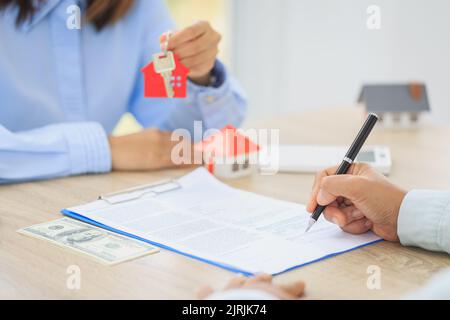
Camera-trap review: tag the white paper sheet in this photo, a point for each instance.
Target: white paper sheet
(236, 229)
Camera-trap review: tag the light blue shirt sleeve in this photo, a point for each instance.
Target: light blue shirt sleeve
(53, 151)
(67, 89)
(424, 220)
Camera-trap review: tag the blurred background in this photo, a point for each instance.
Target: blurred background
(294, 55)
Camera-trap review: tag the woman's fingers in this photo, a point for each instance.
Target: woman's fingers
(204, 292)
(285, 292)
(187, 34)
(201, 63)
(197, 47)
(208, 41)
(264, 283)
(295, 289)
(236, 282)
(263, 277)
(192, 40)
(291, 290)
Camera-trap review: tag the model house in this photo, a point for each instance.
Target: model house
(229, 154)
(154, 83)
(397, 105)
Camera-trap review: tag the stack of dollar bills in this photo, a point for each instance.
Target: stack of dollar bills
(107, 247)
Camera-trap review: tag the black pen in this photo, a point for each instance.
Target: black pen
(351, 155)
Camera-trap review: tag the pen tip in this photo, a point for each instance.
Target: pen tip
(310, 224)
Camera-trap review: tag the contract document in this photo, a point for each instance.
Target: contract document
(200, 217)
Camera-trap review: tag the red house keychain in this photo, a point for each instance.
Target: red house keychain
(165, 76)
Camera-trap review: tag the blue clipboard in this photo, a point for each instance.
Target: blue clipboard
(163, 187)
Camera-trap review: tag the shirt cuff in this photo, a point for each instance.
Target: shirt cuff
(88, 148)
(218, 103)
(242, 294)
(218, 77)
(424, 220)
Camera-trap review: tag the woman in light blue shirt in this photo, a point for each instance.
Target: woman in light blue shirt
(63, 90)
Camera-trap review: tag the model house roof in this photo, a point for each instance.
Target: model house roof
(395, 97)
(227, 142)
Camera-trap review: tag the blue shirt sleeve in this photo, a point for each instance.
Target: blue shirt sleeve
(53, 151)
(424, 220)
(56, 122)
(217, 105)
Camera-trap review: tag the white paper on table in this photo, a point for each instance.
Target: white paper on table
(234, 229)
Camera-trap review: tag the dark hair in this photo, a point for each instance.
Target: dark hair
(99, 12)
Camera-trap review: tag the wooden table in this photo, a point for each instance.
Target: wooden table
(31, 268)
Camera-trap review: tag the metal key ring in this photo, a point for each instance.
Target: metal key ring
(166, 43)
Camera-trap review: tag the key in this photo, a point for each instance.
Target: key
(164, 64)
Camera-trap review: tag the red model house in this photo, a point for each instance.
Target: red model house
(229, 154)
(154, 83)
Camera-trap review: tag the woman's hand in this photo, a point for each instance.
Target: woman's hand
(147, 150)
(262, 282)
(359, 201)
(197, 48)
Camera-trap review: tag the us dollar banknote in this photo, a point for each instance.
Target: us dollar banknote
(106, 247)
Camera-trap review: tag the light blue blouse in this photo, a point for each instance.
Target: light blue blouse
(63, 91)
